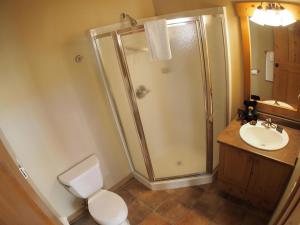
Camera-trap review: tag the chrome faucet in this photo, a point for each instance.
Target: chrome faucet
(268, 123)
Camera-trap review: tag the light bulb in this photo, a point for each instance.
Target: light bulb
(258, 16)
(286, 18)
(272, 16)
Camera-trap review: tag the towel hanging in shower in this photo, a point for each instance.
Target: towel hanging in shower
(158, 39)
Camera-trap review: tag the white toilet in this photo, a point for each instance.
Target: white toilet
(85, 180)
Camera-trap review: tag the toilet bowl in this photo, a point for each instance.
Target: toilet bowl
(85, 180)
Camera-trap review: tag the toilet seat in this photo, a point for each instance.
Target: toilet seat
(107, 208)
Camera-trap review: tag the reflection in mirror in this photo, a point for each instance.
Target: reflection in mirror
(275, 69)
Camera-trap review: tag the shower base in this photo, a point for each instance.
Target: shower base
(176, 182)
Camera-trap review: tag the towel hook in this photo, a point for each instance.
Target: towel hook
(78, 58)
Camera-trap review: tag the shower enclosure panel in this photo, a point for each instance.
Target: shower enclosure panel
(169, 112)
(172, 111)
(118, 98)
(217, 72)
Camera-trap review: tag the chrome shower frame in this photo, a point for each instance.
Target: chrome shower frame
(172, 20)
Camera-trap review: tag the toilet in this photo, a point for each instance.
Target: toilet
(85, 180)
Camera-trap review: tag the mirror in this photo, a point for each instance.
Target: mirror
(271, 62)
(275, 64)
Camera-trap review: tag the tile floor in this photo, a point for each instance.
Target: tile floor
(201, 205)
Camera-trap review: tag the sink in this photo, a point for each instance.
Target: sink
(263, 138)
(279, 103)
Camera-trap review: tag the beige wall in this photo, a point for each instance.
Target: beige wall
(170, 6)
(53, 112)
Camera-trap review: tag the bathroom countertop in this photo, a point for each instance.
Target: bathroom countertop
(288, 155)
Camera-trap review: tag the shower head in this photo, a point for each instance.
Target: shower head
(132, 21)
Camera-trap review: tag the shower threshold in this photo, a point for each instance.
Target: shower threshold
(177, 182)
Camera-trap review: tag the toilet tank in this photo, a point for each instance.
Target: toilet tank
(83, 179)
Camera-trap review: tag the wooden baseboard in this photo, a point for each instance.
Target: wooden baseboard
(121, 182)
(84, 210)
(77, 214)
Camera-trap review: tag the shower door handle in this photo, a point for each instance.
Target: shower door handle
(141, 91)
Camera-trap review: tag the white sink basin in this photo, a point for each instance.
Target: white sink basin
(264, 138)
(279, 103)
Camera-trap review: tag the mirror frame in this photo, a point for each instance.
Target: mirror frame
(244, 10)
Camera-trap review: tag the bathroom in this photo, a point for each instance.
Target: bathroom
(56, 110)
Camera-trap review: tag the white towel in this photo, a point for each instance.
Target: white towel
(158, 39)
(269, 65)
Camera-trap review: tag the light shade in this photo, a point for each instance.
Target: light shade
(272, 17)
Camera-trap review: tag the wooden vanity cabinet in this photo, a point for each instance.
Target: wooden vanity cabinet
(234, 170)
(251, 177)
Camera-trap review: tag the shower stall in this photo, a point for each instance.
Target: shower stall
(168, 113)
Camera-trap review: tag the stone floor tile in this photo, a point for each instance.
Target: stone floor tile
(254, 217)
(135, 188)
(172, 210)
(137, 212)
(153, 199)
(154, 219)
(128, 198)
(230, 214)
(188, 196)
(193, 218)
(85, 220)
(209, 204)
(198, 205)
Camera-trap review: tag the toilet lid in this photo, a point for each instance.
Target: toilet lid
(107, 208)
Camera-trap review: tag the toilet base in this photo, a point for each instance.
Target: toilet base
(126, 222)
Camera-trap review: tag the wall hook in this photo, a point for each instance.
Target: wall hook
(78, 58)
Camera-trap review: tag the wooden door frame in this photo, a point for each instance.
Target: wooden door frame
(27, 190)
(244, 10)
(289, 206)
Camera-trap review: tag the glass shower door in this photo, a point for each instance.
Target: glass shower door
(171, 101)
